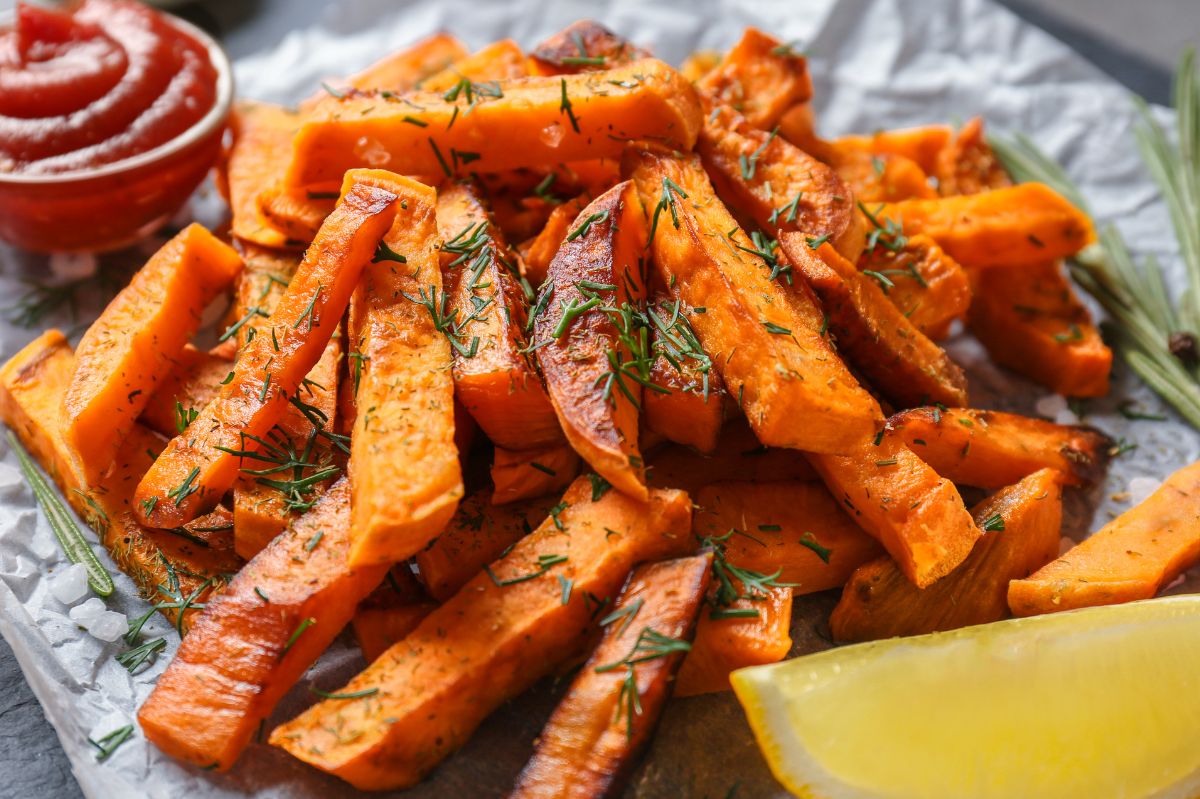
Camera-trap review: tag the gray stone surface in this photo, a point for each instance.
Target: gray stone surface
(1135, 43)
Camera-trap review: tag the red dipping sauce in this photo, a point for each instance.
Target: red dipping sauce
(110, 116)
(110, 81)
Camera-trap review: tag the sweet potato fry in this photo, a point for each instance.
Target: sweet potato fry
(545, 245)
(1036, 326)
(282, 480)
(519, 474)
(495, 130)
(190, 476)
(896, 497)
(692, 410)
(194, 380)
(403, 460)
(477, 534)
(261, 510)
(588, 336)
(259, 287)
(261, 148)
(880, 178)
(872, 333)
(1014, 227)
(726, 642)
(738, 456)
(503, 60)
(921, 145)
(583, 46)
(445, 664)
(296, 212)
(483, 311)
(766, 345)
(699, 63)
(777, 185)
(928, 286)
(593, 739)
(990, 449)
(1021, 525)
(1130, 558)
(130, 349)
(967, 164)
(177, 569)
(256, 639)
(760, 77)
(792, 528)
(390, 612)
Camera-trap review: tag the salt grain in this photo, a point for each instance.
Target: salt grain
(85, 613)
(1140, 488)
(70, 584)
(108, 626)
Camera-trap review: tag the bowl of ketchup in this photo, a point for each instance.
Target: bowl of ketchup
(110, 116)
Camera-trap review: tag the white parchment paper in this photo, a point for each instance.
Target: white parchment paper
(876, 63)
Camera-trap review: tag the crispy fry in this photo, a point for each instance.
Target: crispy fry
(194, 380)
(1037, 326)
(446, 664)
(760, 77)
(129, 350)
(256, 639)
(1015, 227)
(493, 132)
(967, 164)
(792, 528)
(542, 250)
(873, 334)
(693, 409)
(727, 642)
(884, 177)
(1021, 526)
(990, 449)
(477, 534)
(765, 343)
(592, 741)
(583, 46)
(403, 460)
(1130, 558)
(896, 497)
(928, 286)
(482, 310)
(921, 145)
(596, 362)
(190, 476)
(261, 148)
(519, 474)
(502, 60)
(766, 179)
(390, 612)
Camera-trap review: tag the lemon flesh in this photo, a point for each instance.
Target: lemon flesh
(1102, 702)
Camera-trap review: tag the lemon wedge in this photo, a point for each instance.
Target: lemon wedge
(1102, 702)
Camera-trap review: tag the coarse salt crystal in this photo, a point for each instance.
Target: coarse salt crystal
(1140, 488)
(85, 613)
(1050, 406)
(108, 626)
(70, 584)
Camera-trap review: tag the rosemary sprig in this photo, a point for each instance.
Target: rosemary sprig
(1147, 323)
(69, 536)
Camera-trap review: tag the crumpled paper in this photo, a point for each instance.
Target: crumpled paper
(876, 64)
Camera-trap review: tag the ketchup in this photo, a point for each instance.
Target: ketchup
(107, 82)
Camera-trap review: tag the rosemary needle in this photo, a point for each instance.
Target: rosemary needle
(69, 536)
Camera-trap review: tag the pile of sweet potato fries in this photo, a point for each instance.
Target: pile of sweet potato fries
(696, 344)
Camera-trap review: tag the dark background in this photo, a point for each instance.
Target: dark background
(1136, 43)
